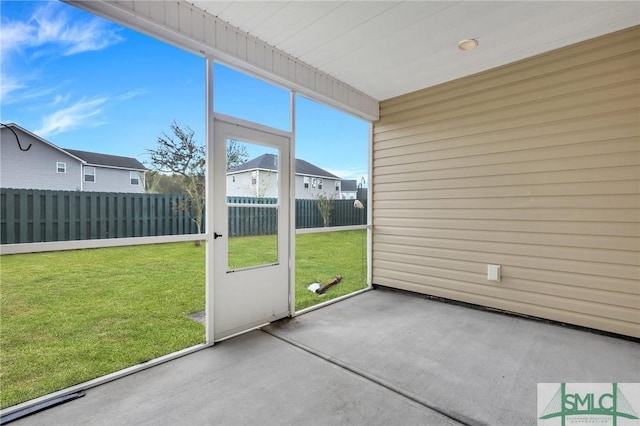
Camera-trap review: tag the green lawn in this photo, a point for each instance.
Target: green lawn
(320, 257)
(68, 317)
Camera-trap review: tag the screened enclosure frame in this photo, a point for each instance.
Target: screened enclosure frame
(207, 236)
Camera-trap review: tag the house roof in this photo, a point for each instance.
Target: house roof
(107, 160)
(270, 162)
(93, 158)
(14, 127)
(349, 185)
(306, 168)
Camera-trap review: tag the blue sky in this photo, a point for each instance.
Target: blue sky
(82, 82)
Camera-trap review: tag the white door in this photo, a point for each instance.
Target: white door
(251, 240)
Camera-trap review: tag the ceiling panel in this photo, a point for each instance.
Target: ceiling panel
(333, 26)
(376, 31)
(290, 20)
(388, 48)
(253, 15)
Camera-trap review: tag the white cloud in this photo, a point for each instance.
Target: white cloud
(14, 36)
(85, 38)
(8, 84)
(20, 92)
(53, 25)
(60, 99)
(53, 29)
(131, 94)
(81, 114)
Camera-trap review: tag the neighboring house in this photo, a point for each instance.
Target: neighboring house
(349, 189)
(46, 166)
(259, 178)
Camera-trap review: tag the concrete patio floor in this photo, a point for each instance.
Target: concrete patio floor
(381, 357)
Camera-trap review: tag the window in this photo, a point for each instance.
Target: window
(319, 183)
(61, 167)
(135, 178)
(254, 178)
(337, 185)
(89, 174)
(306, 182)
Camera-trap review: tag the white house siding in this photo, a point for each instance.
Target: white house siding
(113, 180)
(348, 195)
(35, 168)
(534, 166)
(328, 188)
(241, 184)
(267, 183)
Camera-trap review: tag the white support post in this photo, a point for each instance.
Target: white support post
(209, 210)
(370, 211)
(292, 207)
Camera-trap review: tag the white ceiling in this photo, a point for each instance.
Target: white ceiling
(388, 48)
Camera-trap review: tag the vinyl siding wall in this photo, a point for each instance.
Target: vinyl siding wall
(534, 166)
(35, 168)
(113, 180)
(311, 193)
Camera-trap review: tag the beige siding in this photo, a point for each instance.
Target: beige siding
(534, 166)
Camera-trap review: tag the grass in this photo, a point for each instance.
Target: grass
(320, 257)
(71, 316)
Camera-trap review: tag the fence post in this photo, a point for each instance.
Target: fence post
(37, 216)
(10, 216)
(23, 221)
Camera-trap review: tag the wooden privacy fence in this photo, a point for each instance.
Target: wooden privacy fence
(28, 215)
(258, 216)
(342, 214)
(252, 216)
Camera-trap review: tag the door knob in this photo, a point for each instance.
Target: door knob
(216, 235)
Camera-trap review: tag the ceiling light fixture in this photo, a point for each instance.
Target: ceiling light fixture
(468, 44)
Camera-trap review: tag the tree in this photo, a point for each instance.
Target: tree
(324, 203)
(179, 161)
(161, 183)
(236, 154)
(180, 154)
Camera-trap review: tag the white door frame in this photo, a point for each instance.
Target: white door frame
(248, 298)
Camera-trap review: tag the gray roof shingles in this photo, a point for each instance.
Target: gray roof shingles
(107, 160)
(349, 185)
(269, 162)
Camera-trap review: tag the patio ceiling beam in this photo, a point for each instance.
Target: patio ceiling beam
(193, 29)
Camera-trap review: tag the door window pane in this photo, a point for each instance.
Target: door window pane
(252, 204)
